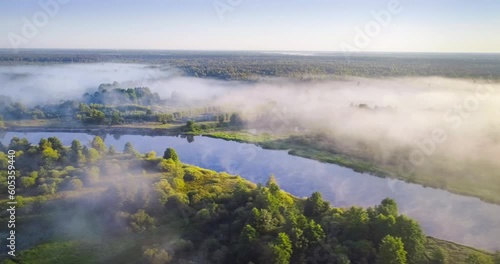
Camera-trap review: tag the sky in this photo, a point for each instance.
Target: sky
(279, 25)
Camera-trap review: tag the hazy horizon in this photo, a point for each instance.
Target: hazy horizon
(247, 50)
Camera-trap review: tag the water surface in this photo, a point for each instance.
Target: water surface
(444, 215)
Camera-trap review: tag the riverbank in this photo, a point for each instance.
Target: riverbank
(95, 246)
(307, 146)
(297, 144)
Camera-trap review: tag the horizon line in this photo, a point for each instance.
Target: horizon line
(249, 50)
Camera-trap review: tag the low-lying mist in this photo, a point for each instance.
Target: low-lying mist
(460, 116)
(403, 122)
(48, 83)
(433, 130)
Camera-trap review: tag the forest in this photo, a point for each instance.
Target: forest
(250, 66)
(98, 204)
(105, 106)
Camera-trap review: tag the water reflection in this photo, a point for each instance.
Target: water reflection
(444, 215)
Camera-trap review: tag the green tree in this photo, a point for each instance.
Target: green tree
(151, 155)
(27, 182)
(281, 249)
(49, 155)
(98, 144)
(314, 233)
(157, 256)
(75, 184)
(170, 153)
(76, 152)
(94, 116)
(388, 207)
(141, 221)
(412, 236)
(76, 146)
(4, 161)
(165, 118)
(56, 143)
(391, 251)
(44, 144)
(439, 256)
(263, 220)
(248, 235)
(381, 226)
(315, 205)
(476, 258)
(129, 149)
(116, 118)
(190, 126)
(235, 119)
(112, 150)
(167, 165)
(272, 184)
(47, 188)
(18, 144)
(2, 124)
(93, 155)
(92, 176)
(497, 257)
(221, 119)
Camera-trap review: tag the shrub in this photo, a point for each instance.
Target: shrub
(75, 184)
(156, 256)
(141, 221)
(27, 182)
(192, 174)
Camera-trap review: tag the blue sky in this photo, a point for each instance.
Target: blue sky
(317, 25)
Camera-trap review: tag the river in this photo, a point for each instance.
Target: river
(461, 219)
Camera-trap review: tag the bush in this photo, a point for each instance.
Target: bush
(178, 184)
(170, 153)
(476, 258)
(183, 246)
(192, 174)
(151, 155)
(92, 176)
(27, 182)
(439, 256)
(141, 221)
(45, 188)
(167, 165)
(156, 256)
(75, 184)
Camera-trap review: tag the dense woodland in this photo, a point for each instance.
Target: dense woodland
(254, 65)
(110, 106)
(172, 212)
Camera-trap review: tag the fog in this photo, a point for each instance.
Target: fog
(49, 83)
(431, 126)
(437, 131)
(402, 111)
(405, 122)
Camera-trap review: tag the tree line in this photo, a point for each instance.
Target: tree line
(226, 218)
